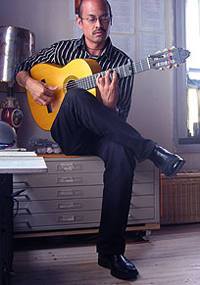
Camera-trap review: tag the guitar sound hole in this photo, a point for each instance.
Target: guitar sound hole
(71, 84)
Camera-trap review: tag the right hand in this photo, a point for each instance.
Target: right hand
(41, 92)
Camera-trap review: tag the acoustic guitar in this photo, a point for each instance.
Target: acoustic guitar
(83, 73)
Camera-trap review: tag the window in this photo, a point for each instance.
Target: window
(188, 81)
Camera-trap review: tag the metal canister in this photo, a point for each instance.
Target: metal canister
(16, 44)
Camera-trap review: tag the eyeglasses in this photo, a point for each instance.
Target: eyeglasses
(93, 19)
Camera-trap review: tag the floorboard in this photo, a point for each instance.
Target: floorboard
(172, 256)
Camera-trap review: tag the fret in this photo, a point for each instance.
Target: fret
(89, 82)
(141, 66)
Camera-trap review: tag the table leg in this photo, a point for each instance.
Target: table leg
(6, 227)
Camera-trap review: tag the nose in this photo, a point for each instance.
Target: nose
(98, 22)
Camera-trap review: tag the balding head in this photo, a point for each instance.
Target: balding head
(103, 1)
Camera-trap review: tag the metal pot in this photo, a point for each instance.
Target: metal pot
(16, 44)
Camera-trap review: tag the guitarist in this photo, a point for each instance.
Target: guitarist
(88, 126)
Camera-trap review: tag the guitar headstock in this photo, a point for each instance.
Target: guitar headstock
(168, 58)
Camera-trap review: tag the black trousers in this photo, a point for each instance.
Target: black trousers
(84, 126)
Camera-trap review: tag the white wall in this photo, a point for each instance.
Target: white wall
(152, 105)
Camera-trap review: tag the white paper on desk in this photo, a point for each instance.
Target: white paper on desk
(151, 15)
(10, 153)
(123, 19)
(22, 164)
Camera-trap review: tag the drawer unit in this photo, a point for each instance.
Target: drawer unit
(69, 195)
(57, 221)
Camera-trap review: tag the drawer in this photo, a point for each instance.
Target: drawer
(75, 192)
(25, 228)
(139, 214)
(142, 201)
(85, 164)
(53, 206)
(76, 220)
(57, 219)
(43, 180)
(143, 189)
(79, 164)
(65, 179)
(143, 176)
(55, 193)
(94, 204)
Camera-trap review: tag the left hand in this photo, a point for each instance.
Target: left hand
(109, 89)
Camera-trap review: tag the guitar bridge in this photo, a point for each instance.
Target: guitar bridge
(49, 108)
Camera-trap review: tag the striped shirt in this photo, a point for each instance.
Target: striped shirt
(64, 51)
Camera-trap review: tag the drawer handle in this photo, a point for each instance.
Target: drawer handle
(70, 205)
(69, 167)
(66, 219)
(65, 180)
(63, 193)
(66, 167)
(70, 218)
(69, 179)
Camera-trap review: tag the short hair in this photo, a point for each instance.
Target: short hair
(80, 8)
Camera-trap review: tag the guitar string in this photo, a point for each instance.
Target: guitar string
(91, 80)
(138, 67)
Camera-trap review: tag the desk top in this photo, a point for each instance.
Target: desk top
(21, 162)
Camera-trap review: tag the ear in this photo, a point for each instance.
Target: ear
(79, 22)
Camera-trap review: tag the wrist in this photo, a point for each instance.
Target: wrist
(115, 110)
(22, 79)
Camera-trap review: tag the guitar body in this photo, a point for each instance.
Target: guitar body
(56, 75)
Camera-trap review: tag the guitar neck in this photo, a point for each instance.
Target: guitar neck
(129, 69)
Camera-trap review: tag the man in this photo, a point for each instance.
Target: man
(88, 126)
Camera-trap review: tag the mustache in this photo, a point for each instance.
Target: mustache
(99, 30)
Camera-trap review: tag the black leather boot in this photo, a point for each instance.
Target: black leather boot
(167, 162)
(119, 265)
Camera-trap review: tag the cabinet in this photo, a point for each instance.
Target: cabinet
(69, 196)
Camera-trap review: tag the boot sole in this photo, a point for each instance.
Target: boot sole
(179, 166)
(125, 276)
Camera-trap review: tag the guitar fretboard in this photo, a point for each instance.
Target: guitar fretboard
(141, 66)
(129, 69)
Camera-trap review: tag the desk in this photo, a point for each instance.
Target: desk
(12, 162)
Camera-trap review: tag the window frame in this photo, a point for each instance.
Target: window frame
(181, 142)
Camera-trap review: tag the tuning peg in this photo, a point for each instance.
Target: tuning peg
(165, 50)
(176, 65)
(161, 69)
(158, 52)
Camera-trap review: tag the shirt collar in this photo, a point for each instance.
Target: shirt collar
(80, 43)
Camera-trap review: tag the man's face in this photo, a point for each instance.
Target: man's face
(95, 31)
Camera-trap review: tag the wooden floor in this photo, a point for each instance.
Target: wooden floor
(171, 257)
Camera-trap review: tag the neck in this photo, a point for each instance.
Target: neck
(93, 48)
